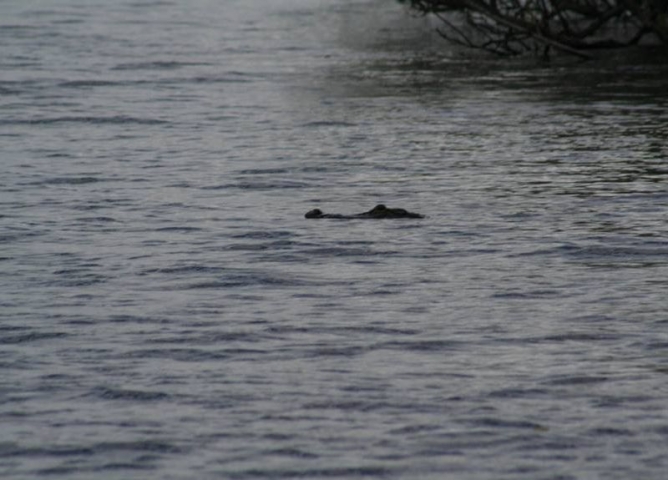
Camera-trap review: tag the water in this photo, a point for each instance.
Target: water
(167, 312)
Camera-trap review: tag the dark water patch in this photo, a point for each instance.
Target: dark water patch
(184, 269)
(519, 393)
(9, 91)
(579, 337)
(138, 319)
(308, 473)
(282, 329)
(370, 329)
(180, 354)
(555, 446)
(106, 203)
(349, 252)
(270, 246)
(67, 181)
(241, 279)
(264, 171)
(423, 345)
(114, 466)
(75, 277)
(559, 338)
(91, 120)
(275, 257)
(11, 450)
(157, 65)
(108, 393)
(617, 255)
(195, 337)
(261, 186)
(150, 4)
(227, 78)
(487, 422)
(610, 432)
(182, 229)
(64, 471)
(16, 236)
(263, 235)
(30, 337)
(576, 380)
(150, 446)
(11, 28)
(530, 295)
(100, 219)
(414, 429)
(13, 328)
(617, 401)
(87, 84)
(348, 352)
(327, 123)
(661, 430)
(291, 453)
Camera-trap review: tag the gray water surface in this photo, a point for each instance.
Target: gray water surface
(167, 312)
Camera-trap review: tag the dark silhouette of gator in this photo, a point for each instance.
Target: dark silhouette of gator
(377, 212)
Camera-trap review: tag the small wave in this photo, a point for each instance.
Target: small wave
(13, 450)
(518, 393)
(87, 83)
(264, 171)
(530, 295)
(620, 252)
(153, 446)
(228, 78)
(17, 236)
(76, 277)
(67, 181)
(263, 235)
(97, 220)
(505, 423)
(108, 393)
(8, 91)
(178, 229)
(30, 337)
(16, 27)
(618, 256)
(137, 319)
(189, 337)
(113, 120)
(579, 337)
(291, 453)
(236, 281)
(150, 4)
(598, 432)
(258, 185)
(578, 380)
(155, 65)
(333, 472)
(423, 345)
(326, 123)
(184, 269)
(179, 354)
(346, 352)
(348, 252)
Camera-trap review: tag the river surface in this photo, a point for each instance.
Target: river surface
(167, 312)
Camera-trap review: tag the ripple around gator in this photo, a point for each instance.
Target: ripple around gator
(377, 212)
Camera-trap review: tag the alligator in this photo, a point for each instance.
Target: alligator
(377, 212)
